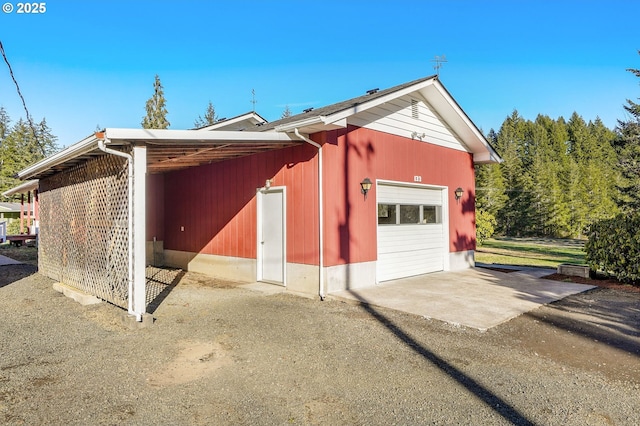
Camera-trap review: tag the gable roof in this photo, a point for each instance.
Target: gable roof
(246, 121)
(331, 110)
(430, 88)
(175, 149)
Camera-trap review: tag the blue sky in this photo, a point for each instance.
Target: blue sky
(83, 64)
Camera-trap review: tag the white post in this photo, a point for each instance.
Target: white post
(139, 230)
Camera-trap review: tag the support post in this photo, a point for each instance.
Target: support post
(22, 213)
(29, 208)
(139, 230)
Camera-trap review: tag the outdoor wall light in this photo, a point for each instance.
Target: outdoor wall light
(365, 186)
(267, 184)
(458, 192)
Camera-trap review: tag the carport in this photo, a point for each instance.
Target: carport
(93, 202)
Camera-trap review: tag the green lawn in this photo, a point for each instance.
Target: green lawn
(544, 252)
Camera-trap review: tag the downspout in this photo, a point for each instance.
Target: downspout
(102, 145)
(320, 212)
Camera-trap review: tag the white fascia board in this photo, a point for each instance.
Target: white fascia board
(27, 186)
(155, 136)
(69, 153)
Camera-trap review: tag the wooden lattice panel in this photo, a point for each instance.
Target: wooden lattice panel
(84, 228)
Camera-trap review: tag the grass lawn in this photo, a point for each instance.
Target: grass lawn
(543, 252)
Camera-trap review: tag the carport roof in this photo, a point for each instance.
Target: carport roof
(167, 150)
(23, 188)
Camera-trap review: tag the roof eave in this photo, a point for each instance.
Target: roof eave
(461, 124)
(74, 151)
(193, 137)
(343, 114)
(27, 186)
(153, 137)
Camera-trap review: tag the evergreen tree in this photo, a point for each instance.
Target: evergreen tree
(627, 146)
(5, 122)
(210, 117)
(286, 113)
(509, 143)
(156, 117)
(557, 177)
(490, 195)
(19, 147)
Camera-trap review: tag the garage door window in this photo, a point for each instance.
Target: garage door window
(406, 214)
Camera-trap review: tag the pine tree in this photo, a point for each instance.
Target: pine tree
(5, 122)
(286, 113)
(627, 146)
(210, 117)
(510, 143)
(20, 148)
(156, 117)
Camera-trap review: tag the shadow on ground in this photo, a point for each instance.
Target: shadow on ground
(12, 273)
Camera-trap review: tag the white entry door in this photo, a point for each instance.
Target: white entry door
(271, 235)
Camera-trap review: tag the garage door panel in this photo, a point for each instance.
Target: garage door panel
(425, 237)
(403, 246)
(409, 195)
(404, 265)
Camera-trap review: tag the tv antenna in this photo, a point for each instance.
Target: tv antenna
(253, 99)
(438, 61)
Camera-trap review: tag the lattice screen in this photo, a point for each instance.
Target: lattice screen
(84, 228)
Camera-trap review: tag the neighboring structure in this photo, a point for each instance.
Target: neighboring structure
(9, 211)
(279, 202)
(26, 211)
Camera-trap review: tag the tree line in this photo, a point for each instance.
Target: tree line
(22, 144)
(559, 176)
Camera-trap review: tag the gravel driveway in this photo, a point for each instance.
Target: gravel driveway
(220, 354)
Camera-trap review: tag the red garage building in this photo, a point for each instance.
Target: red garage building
(371, 189)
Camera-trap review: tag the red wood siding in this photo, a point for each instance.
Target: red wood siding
(355, 153)
(216, 204)
(155, 207)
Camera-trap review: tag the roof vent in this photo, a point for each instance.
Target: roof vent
(414, 109)
(372, 91)
(308, 110)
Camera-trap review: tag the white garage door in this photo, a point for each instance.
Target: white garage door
(410, 231)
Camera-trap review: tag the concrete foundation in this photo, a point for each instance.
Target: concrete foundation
(75, 294)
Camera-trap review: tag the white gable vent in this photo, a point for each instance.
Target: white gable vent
(414, 109)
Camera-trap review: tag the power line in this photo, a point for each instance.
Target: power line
(24, 104)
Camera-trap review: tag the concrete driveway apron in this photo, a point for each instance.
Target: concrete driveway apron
(479, 298)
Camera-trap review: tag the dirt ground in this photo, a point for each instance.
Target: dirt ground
(221, 354)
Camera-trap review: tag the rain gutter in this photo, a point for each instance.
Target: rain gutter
(102, 141)
(321, 290)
